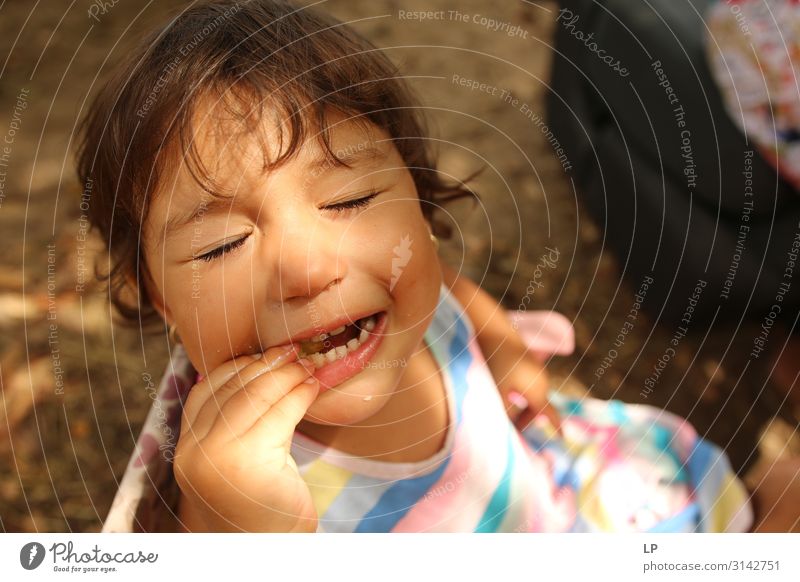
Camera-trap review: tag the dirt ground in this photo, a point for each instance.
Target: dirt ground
(73, 386)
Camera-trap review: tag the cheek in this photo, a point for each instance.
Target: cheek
(398, 242)
(415, 269)
(211, 313)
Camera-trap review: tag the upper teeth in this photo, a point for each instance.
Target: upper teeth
(323, 336)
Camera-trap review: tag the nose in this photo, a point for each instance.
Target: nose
(307, 262)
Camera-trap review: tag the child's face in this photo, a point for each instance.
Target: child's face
(296, 264)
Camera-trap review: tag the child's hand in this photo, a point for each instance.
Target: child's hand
(521, 380)
(232, 460)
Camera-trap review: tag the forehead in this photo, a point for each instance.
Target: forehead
(225, 138)
(228, 152)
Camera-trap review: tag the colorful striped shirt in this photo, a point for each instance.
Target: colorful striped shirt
(617, 467)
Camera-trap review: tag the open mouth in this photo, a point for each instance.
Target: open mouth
(334, 345)
(341, 353)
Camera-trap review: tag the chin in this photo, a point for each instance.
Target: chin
(355, 400)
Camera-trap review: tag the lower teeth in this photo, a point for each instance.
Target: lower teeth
(322, 358)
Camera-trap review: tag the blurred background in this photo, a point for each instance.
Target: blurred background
(74, 386)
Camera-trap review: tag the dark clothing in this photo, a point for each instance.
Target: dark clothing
(660, 164)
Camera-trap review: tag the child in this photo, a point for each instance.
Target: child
(262, 179)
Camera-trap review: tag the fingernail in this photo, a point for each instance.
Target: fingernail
(309, 380)
(517, 399)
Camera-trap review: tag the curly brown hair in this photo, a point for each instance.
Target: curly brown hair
(302, 63)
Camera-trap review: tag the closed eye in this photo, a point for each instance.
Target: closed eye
(362, 202)
(339, 207)
(223, 250)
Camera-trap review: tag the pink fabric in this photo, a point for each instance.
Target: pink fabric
(546, 333)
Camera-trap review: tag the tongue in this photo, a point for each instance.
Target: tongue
(341, 339)
(350, 332)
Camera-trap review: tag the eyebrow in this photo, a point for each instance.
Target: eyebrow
(349, 157)
(213, 205)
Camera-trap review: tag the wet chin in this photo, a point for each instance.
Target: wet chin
(354, 400)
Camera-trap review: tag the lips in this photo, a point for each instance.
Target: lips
(328, 347)
(349, 360)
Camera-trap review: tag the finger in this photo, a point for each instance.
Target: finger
(530, 414)
(276, 427)
(203, 390)
(551, 412)
(256, 398)
(524, 419)
(516, 404)
(222, 386)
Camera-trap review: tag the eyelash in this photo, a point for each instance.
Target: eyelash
(338, 208)
(224, 249)
(353, 204)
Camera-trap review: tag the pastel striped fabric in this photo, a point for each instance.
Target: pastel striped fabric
(617, 468)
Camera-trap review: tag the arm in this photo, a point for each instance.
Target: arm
(492, 326)
(515, 371)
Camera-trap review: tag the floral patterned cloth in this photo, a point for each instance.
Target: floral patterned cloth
(147, 497)
(753, 48)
